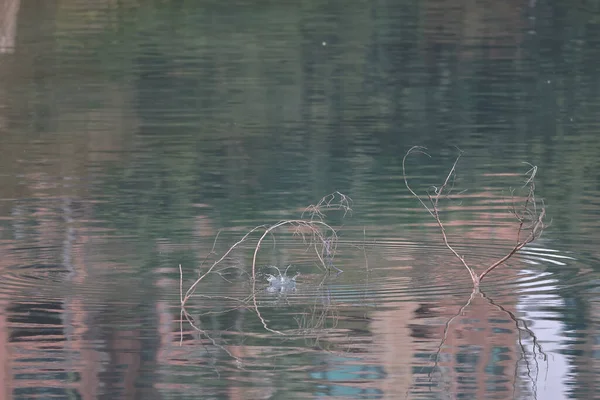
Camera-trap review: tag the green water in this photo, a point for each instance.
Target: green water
(135, 138)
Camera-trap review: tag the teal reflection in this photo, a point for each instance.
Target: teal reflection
(345, 377)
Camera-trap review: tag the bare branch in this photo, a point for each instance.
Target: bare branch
(313, 226)
(530, 217)
(528, 213)
(190, 291)
(327, 203)
(433, 200)
(316, 233)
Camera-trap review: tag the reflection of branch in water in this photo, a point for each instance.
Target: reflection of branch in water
(320, 319)
(312, 325)
(202, 332)
(184, 314)
(316, 319)
(522, 327)
(445, 334)
(523, 356)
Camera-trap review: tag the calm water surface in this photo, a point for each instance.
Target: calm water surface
(137, 138)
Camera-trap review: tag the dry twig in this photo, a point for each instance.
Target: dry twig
(314, 231)
(529, 215)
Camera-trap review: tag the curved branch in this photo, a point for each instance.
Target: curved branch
(312, 225)
(434, 205)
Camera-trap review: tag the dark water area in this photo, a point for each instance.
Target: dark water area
(137, 137)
